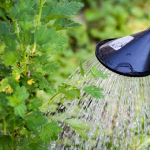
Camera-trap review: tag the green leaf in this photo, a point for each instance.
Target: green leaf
(63, 88)
(42, 83)
(72, 94)
(60, 9)
(62, 23)
(81, 69)
(69, 94)
(78, 125)
(43, 35)
(2, 14)
(98, 73)
(22, 6)
(26, 21)
(10, 58)
(51, 67)
(19, 96)
(35, 120)
(20, 109)
(34, 104)
(4, 71)
(47, 68)
(50, 132)
(94, 91)
(5, 29)
(17, 100)
(54, 45)
(10, 41)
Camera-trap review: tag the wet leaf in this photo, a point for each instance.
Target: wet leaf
(72, 94)
(94, 91)
(98, 73)
(78, 125)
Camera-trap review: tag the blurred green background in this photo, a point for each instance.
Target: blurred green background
(100, 20)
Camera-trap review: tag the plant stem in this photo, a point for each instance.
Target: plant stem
(25, 66)
(77, 82)
(34, 49)
(59, 94)
(54, 97)
(13, 135)
(16, 29)
(4, 126)
(40, 13)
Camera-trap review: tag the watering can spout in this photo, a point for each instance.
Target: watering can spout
(129, 55)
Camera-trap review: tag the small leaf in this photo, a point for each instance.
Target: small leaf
(50, 132)
(34, 104)
(78, 125)
(2, 14)
(20, 110)
(4, 29)
(17, 100)
(98, 73)
(94, 91)
(19, 96)
(63, 23)
(72, 94)
(43, 35)
(63, 88)
(81, 69)
(50, 67)
(60, 8)
(10, 41)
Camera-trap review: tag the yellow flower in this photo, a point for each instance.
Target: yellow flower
(9, 89)
(31, 81)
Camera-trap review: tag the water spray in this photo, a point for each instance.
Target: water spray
(120, 120)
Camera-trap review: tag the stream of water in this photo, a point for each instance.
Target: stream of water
(120, 121)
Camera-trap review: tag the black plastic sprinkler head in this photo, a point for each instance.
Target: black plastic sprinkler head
(129, 56)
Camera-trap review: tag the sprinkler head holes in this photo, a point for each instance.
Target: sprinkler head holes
(129, 56)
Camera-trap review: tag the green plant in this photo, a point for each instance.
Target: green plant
(28, 31)
(29, 37)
